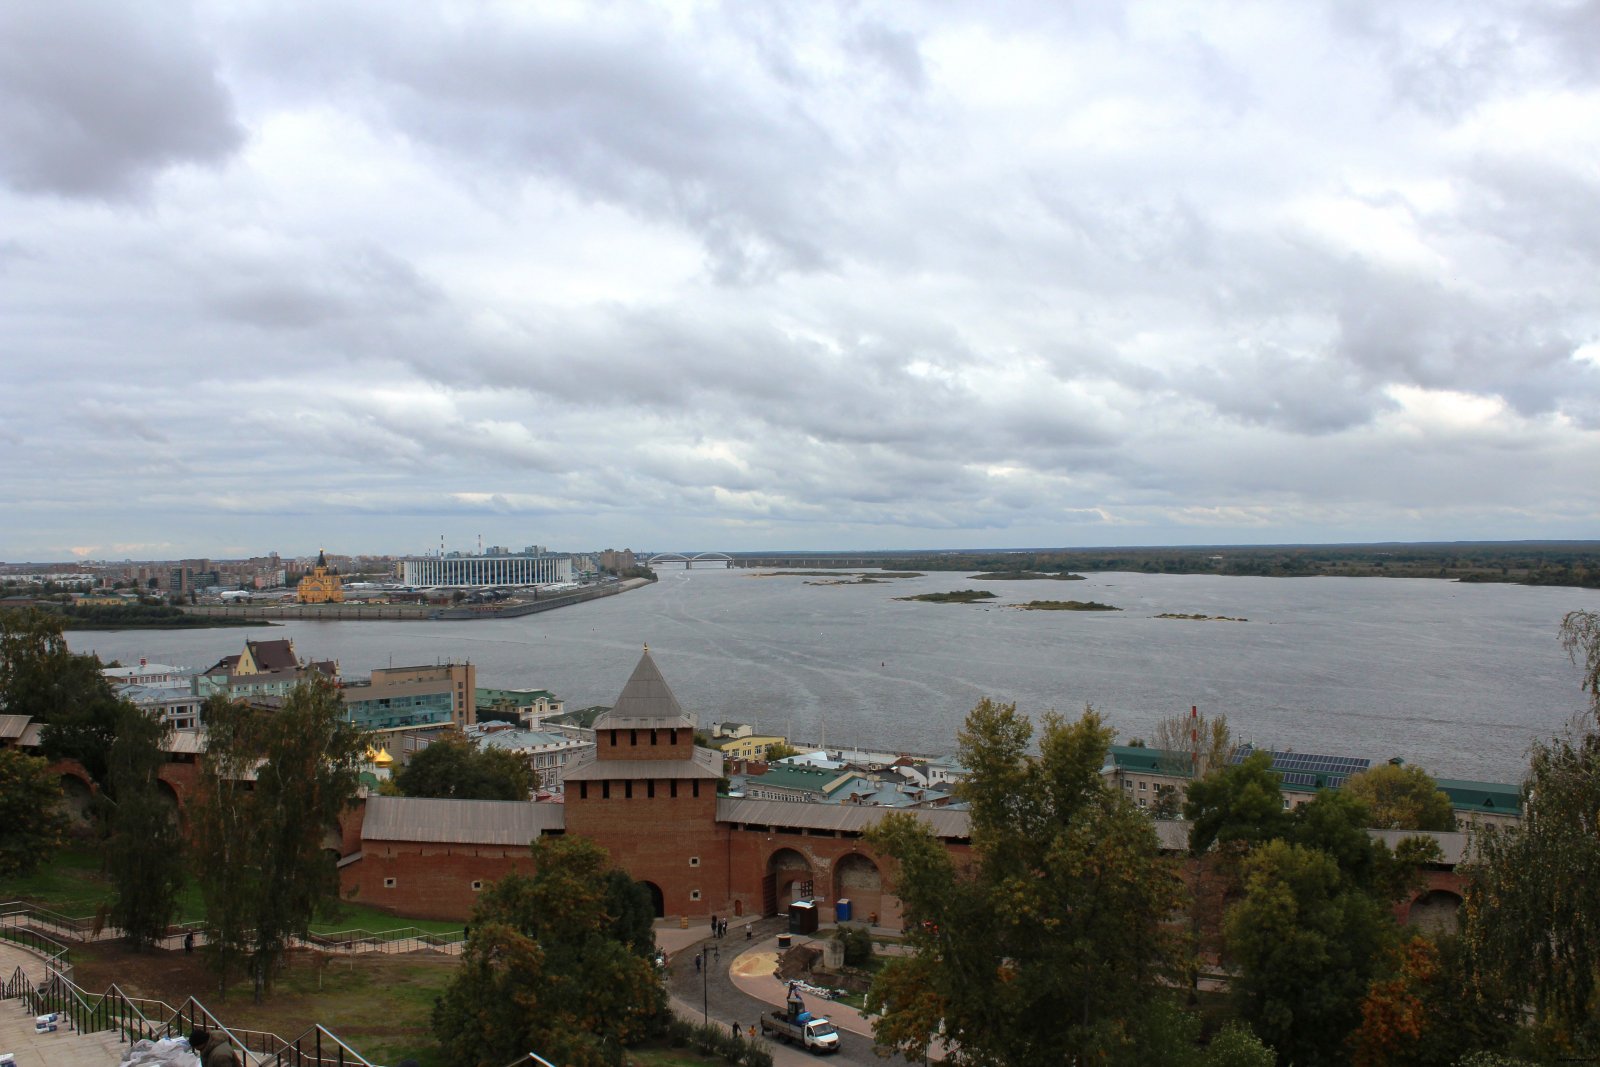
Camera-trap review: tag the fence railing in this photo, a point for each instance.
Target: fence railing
(400, 940)
(532, 1059)
(136, 1018)
(14, 928)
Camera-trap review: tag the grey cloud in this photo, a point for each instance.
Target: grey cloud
(895, 50)
(97, 98)
(1450, 79)
(301, 288)
(1305, 394)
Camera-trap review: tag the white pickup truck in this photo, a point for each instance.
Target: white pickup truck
(800, 1027)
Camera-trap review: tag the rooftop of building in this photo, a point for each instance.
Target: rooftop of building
(588, 767)
(646, 702)
(479, 822)
(513, 738)
(482, 693)
(812, 780)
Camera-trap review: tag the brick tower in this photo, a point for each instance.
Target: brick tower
(649, 797)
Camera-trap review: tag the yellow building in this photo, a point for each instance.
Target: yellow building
(321, 586)
(749, 747)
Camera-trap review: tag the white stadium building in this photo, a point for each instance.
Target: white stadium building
(469, 571)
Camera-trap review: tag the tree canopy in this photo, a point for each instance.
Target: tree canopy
(456, 769)
(42, 678)
(272, 785)
(1306, 943)
(558, 963)
(143, 847)
(1236, 802)
(1048, 941)
(1532, 910)
(1401, 797)
(31, 823)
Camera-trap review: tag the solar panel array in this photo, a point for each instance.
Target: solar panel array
(1305, 768)
(1306, 761)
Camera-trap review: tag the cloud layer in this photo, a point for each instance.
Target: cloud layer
(749, 275)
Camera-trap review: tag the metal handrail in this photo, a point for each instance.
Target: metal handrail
(53, 951)
(326, 1047)
(136, 1018)
(532, 1059)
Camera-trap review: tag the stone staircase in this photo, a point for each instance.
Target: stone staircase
(64, 1048)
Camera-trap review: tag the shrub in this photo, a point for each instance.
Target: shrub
(857, 946)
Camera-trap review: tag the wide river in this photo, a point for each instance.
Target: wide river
(1457, 678)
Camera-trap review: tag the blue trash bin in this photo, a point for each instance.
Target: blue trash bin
(841, 910)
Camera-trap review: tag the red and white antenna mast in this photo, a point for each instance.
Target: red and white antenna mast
(1194, 740)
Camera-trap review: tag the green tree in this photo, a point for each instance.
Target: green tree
(1236, 1046)
(31, 823)
(1305, 943)
(1400, 797)
(143, 847)
(778, 750)
(272, 784)
(1532, 910)
(552, 966)
(1029, 952)
(42, 678)
(456, 769)
(1431, 1010)
(1236, 802)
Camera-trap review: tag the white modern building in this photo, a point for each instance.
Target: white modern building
(468, 571)
(152, 675)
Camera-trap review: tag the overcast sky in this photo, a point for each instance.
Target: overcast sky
(281, 275)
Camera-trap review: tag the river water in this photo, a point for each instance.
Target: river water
(1458, 678)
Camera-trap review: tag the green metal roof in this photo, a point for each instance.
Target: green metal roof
(789, 776)
(1489, 797)
(1153, 760)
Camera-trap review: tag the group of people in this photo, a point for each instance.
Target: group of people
(719, 926)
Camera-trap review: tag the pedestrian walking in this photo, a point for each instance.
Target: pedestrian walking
(697, 964)
(735, 1029)
(716, 952)
(747, 927)
(188, 943)
(752, 1031)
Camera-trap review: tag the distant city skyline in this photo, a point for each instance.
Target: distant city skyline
(762, 276)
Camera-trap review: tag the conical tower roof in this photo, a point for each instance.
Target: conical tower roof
(646, 703)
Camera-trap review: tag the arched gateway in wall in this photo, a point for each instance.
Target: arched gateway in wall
(857, 879)
(789, 878)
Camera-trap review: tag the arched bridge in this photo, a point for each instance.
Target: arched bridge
(719, 558)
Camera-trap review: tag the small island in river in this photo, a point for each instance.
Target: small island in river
(1200, 618)
(1026, 576)
(1067, 605)
(959, 596)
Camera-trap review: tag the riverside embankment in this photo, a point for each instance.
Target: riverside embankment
(358, 612)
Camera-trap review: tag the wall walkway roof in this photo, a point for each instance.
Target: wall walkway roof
(459, 822)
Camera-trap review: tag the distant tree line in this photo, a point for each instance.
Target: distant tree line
(137, 617)
(1542, 563)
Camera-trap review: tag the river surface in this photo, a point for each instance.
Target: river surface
(1457, 678)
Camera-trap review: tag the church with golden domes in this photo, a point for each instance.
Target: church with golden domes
(322, 585)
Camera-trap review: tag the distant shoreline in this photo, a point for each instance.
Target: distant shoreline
(1571, 564)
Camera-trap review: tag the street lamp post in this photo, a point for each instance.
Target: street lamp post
(705, 987)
